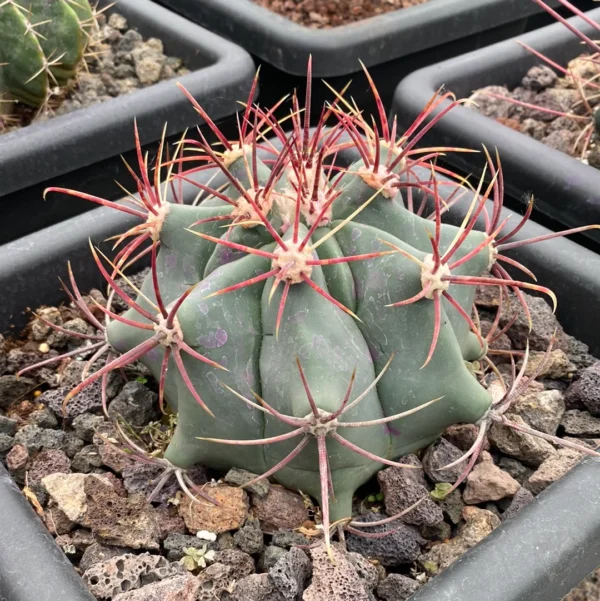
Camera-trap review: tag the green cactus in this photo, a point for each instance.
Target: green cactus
(43, 42)
(305, 321)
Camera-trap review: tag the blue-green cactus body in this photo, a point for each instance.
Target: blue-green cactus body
(238, 330)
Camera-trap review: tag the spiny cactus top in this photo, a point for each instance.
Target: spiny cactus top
(305, 321)
(42, 45)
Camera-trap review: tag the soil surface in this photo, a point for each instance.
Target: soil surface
(120, 61)
(253, 547)
(323, 14)
(569, 128)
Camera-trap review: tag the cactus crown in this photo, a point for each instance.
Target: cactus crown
(43, 43)
(305, 320)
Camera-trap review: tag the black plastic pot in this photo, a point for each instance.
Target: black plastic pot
(566, 190)
(537, 556)
(391, 45)
(32, 565)
(82, 150)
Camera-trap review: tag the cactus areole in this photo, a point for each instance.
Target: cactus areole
(42, 46)
(304, 320)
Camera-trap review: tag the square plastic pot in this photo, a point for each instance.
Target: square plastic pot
(82, 149)
(391, 45)
(539, 555)
(565, 189)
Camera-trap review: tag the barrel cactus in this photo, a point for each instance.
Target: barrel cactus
(304, 320)
(43, 43)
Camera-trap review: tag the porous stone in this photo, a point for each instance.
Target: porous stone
(269, 557)
(81, 539)
(215, 581)
(48, 462)
(89, 399)
(241, 563)
(6, 444)
(562, 140)
(141, 478)
(119, 22)
(553, 469)
(441, 531)
(539, 78)
(149, 60)
(397, 587)
(463, 436)
(126, 572)
(43, 418)
(580, 423)
(136, 404)
(256, 587)
(8, 426)
(487, 482)
(487, 296)
(515, 468)
(13, 388)
(492, 106)
(122, 521)
(366, 571)
(16, 460)
(335, 580)
(86, 424)
(169, 521)
(86, 460)
(555, 99)
(36, 439)
(521, 499)
(280, 509)
(544, 325)
(67, 491)
(40, 326)
(439, 454)
(17, 359)
(403, 487)
(56, 521)
(478, 524)
(225, 541)
(106, 440)
(230, 514)
(239, 477)
(401, 546)
(77, 325)
(556, 366)
(131, 39)
(98, 553)
(542, 411)
(288, 538)
(579, 353)
(452, 506)
(72, 444)
(291, 573)
(250, 538)
(534, 128)
(529, 449)
(176, 588)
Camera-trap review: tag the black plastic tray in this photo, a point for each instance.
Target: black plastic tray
(566, 190)
(391, 45)
(81, 149)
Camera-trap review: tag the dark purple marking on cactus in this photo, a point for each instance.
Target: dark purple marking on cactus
(393, 430)
(170, 260)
